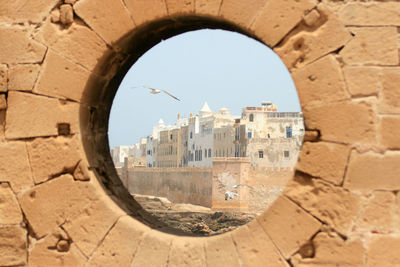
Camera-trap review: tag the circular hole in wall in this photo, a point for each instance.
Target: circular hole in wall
(205, 130)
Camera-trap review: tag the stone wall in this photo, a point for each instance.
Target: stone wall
(62, 202)
(179, 185)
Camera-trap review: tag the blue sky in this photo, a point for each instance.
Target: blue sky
(226, 69)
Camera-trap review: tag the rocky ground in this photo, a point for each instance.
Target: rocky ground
(192, 219)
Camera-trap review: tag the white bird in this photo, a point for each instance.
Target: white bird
(157, 91)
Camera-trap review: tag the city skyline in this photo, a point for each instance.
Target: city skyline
(222, 68)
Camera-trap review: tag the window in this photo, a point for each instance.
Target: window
(289, 132)
(249, 135)
(205, 153)
(261, 154)
(191, 135)
(170, 136)
(251, 118)
(286, 153)
(209, 152)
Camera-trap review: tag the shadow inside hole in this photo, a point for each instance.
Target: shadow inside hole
(221, 189)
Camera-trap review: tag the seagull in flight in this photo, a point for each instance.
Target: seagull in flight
(157, 91)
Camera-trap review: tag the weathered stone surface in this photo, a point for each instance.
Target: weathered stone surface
(315, 87)
(46, 252)
(371, 13)
(23, 77)
(389, 98)
(71, 2)
(277, 18)
(52, 156)
(24, 11)
(331, 250)
(14, 166)
(120, 244)
(66, 14)
(220, 251)
(383, 251)
(100, 16)
(389, 130)
(55, 15)
(3, 78)
(187, 251)
(13, 245)
(372, 171)
(242, 13)
(250, 250)
(345, 122)
(265, 246)
(209, 7)
(152, 241)
(306, 44)
(81, 171)
(10, 213)
(145, 10)
(324, 160)
(65, 79)
(366, 47)
(331, 204)
(288, 225)
(85, 211)
(17, 47)
(3, 102)
(76, 42)
(363, 81)
(180, 6)
(379, 212)
(31, 116)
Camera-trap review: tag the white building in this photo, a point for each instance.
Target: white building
(119, 153)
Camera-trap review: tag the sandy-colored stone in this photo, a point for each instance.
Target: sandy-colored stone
(265, 246)
(187, 251)
(221, 251)
(363, 81)
(14, 166)
(77, 42)
(180, 6)
(345, 122)
(324, 160)
(209, 7)
(250, 251)
(152, 241)
(120, 244)
(81, 171)
(306, 44)
(288, 225)
(331, 250)
(71, 2)
(378, 213)
(3, 78)
(24, 11)
(17, 47)
(333, 205)
(371, 13)
(3, 102)
(55, 15)
(13, 245)
(278, 18)
(389, 130)
(45, 252)
(145, 10)
(372, 171)
(10, 213)
(31, 116)
(52, 156)
(389, 99)
(366, 47)
(240, 12)
(383, 251)
(315, 87)
(100, 16)
(66, 14)
(23, 77)
(65, 79)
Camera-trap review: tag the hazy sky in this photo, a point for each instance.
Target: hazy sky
(225, 69)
